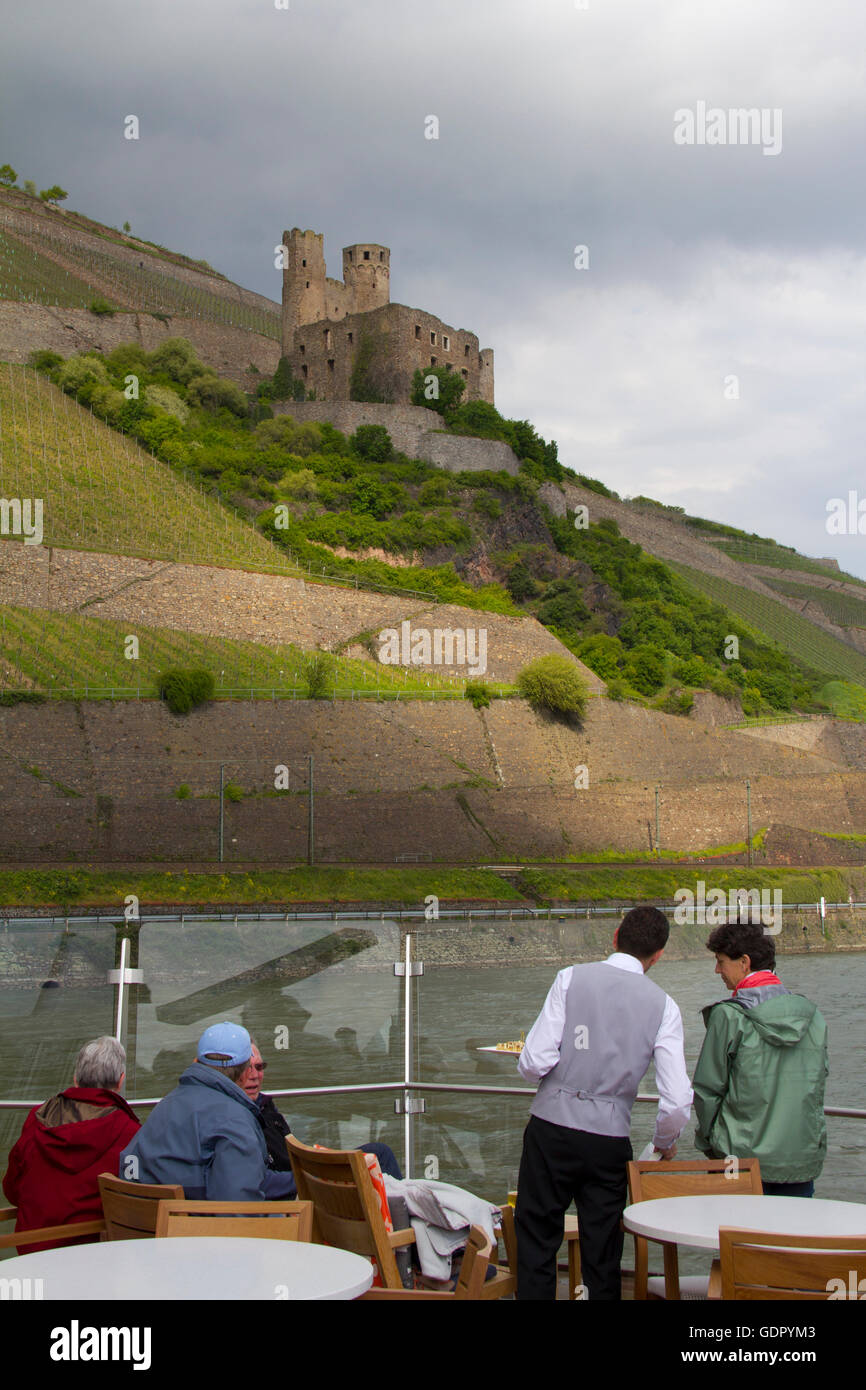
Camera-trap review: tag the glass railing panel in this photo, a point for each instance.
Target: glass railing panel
(54, 997)
(320, 998)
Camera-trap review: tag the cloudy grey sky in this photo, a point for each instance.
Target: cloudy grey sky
(556, 129)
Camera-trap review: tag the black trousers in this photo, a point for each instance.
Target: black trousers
(559, 1166)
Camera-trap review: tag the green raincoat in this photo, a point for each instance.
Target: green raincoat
(759, 1083)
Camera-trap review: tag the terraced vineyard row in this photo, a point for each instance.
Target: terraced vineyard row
(142, 287)
(100, 491)
(763, 553)
(67, 655)
(26, 276)
(795, 634)
(843, 609)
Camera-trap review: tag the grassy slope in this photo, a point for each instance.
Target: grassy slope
(45, 887)
(61, 651)
(102, 492)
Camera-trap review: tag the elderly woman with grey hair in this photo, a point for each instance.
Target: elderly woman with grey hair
(68, 1141)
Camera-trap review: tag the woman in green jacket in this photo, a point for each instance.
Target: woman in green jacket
(759, 1081)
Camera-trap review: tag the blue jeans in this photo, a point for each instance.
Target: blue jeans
(789, 1189)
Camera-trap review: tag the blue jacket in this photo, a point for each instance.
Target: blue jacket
(205, 1135)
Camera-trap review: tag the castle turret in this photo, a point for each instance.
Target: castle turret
(303, 282)
(367, 276)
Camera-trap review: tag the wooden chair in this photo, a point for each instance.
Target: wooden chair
(649, 1180)
(70, 1233)
(268, 1220)
(762, 1265)
(131, 1208)
(471, 1281)
(346, 1212)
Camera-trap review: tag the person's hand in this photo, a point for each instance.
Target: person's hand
(667, 1153)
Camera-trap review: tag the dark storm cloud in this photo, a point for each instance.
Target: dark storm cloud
(556, 129)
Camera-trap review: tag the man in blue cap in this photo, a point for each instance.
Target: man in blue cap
(205, 1134)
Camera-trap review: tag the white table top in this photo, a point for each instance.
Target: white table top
(195, 1267)
(696, 1220)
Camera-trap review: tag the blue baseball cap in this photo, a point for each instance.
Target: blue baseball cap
(224, 1045)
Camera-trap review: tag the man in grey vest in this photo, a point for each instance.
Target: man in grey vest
(589, 1049)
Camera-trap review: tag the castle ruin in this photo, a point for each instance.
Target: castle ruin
(334, 328)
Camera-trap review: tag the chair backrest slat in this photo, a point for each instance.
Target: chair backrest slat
(764, 1266)
(131, 1208)
(649, 1180)
(259, 1220)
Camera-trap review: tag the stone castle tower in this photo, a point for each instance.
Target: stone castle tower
(327, 322)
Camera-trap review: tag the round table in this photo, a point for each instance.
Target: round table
(696, 1220)
(195, 1267)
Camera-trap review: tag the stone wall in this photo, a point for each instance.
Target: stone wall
(252, 606)
(98, 781)
(25, 328)
(414, 430)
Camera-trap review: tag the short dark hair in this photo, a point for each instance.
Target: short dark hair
(642, 932)
(736, 939)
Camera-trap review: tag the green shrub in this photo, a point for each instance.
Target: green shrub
(163, 398)
(479, 693)
(563, 606)
(487, 505)
(184, 690)
(554, 683)
(44, 360)
(79, 377)
(448, 392)
(21, 697)
(232, 792)
(520, 583)
(317, 672)
(372, 442)
(211, 392)
(178, 359)
(617, 690)
(102, 307)
(602, 654)
(645, 668)
(183, 792)
(107, 403)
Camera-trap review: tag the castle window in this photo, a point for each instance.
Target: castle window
(350, 255)
(330, 364)
(303, 349)
(366, 255)
(381, 255)
(447, 366)
(466, 350)
(433, 339)
(417, 330)
(304, 264)
(304, 370)
(308, 284)
(432, 361)
(327, 337)
(463, 372)
(446, 343)
(351, 337)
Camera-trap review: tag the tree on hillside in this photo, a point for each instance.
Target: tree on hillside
(55, 194)
(8, 175)
(444, 396)
(126, 227)
(30, 188)
(283, 380)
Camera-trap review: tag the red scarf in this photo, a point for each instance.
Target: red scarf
(756, 979)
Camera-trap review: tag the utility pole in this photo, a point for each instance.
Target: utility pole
(310, 846)
(749, 819)
(222, 809)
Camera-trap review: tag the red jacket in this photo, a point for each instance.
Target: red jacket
(64, 1146)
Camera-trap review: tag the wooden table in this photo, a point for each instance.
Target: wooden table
(195, 1267)
(695, 1221)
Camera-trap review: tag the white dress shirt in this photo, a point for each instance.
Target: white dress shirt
(542, 1049)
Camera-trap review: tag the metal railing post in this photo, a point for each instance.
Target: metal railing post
(408, 1116)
